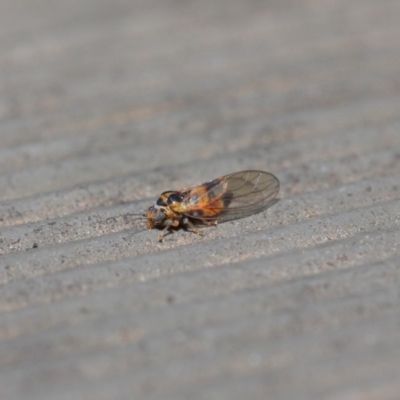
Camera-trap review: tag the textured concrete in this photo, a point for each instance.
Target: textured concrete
(104, 105)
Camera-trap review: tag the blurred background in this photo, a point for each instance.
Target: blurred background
(104, 105)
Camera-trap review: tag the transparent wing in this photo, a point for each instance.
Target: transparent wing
(230, 197)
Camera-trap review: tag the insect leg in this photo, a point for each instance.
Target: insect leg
(190, 227)
(167, 230)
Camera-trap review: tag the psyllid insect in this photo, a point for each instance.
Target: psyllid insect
(227, 198)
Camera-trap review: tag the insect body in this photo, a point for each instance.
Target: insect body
(230, 197)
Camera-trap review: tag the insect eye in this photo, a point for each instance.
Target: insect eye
(160, 216)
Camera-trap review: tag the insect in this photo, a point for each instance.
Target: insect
(229, 197)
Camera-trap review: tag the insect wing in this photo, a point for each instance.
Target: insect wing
(248, 193)
(233, 196)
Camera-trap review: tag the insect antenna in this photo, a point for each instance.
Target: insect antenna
(125, 217)
(138, 215)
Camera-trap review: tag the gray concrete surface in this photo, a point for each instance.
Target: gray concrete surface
(104, 105)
